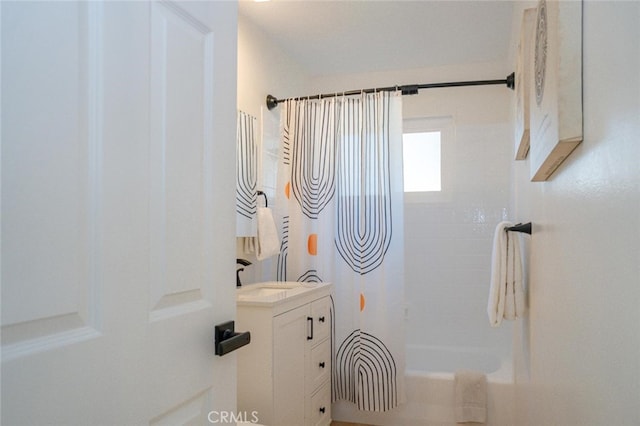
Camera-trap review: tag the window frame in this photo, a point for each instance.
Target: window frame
(444, 125)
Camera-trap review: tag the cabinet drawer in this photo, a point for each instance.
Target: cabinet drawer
(319, 411)
(320, 312)
(320, 368)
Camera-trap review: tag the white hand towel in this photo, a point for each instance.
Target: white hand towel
(518, 277)
(506, 293)
(497, 289)
(514, 307)
(470, 396)
(268, 243)
(509, 300)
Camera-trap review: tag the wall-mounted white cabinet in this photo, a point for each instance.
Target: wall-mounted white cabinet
(284, 375)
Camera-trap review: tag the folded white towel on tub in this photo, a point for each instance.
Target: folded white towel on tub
(506, 293)
(470, 396)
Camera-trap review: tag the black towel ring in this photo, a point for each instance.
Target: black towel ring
(266, 202)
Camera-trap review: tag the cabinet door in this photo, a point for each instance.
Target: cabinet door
(290, 341)
(320, 310)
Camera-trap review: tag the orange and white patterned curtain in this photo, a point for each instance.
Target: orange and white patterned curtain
(340, 205)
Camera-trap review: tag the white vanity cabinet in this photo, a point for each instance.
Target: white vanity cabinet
(284, 374)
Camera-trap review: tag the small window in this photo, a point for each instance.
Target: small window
(422, 162)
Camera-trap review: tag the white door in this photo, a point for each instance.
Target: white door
(118, 145)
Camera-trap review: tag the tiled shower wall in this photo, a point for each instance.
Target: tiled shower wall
(448, 242)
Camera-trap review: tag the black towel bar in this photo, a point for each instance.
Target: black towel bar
(520, 227)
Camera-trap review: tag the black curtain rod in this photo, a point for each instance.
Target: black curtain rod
(408, 89)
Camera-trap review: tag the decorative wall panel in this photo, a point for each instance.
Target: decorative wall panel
(556, 98)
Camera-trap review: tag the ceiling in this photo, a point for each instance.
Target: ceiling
(349, 36)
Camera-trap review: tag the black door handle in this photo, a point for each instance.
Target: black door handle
(226, 339)
(310, 336)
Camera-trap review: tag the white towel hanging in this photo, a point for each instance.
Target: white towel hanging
(268, 243)
(506, 293)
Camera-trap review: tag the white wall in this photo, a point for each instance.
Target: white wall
(448, 240)
(580, 360)
(263, 68)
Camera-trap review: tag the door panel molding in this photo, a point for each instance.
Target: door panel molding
(52, 218)
(180, 104)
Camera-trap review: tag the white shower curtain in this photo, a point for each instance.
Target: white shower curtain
(246, 176)
(340, 207)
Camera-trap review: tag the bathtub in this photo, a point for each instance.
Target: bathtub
(429, 385)
(438, 360)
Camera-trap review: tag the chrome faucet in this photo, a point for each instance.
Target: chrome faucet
(242, 262)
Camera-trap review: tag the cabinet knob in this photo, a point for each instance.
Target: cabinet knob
(322, 410)
(321, 365)
(321, 319)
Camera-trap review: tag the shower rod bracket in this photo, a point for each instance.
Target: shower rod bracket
(411, 89)
(408, 89)
(272, 102)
